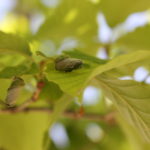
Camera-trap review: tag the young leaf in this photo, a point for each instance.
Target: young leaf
(10, 72)
(22, 69)
(50, 91)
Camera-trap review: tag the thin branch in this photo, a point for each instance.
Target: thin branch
(39, 87)
(108, 118)
(33, 98)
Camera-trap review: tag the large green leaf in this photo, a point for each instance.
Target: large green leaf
(121, 61)
(138, 39)
(130, 97)
(136, 140)
(116, 10)
(69, 82)
(13, 44)
(132, 100)
(73, 82)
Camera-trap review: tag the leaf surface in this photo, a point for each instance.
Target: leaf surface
(132, 99)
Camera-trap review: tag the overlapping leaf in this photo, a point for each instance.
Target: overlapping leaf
(132, 99)
(74, 81)
(50, 91)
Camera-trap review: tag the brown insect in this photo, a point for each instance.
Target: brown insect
(67, 64)
(13, 91)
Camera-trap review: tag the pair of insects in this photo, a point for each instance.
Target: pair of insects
(62, 63)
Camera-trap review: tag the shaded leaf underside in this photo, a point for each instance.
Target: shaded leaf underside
(132, 100)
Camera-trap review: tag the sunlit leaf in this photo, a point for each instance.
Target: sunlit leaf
(136, 140)
(73, 82)
(132, 100)
(121, 60)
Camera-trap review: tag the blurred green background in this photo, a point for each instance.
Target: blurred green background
(101, 28)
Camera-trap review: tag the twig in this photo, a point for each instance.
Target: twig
(33, 98)
(108, 118)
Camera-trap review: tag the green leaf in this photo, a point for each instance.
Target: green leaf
(85, 57)
(33, 69)
(136, 140)
(70, 82)
(50, 91)
(13, 44)
(73, 82)
(19, 70)
(5, 84)
(121, 60)
(132, 100)
(116, 10)
(9, 72)
(138, 39)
